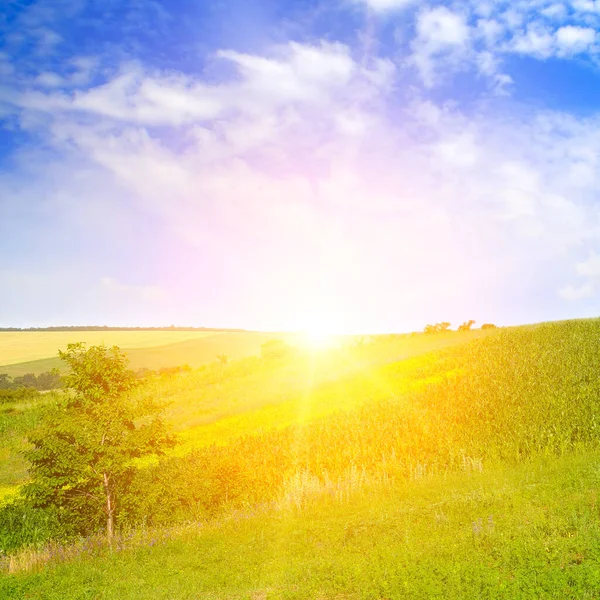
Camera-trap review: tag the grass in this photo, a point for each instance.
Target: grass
(36, 352)
(527, 531)
(26, 346)
(16, 418)
(420, 467)
(220, 403)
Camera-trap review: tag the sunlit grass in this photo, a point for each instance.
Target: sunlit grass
(24, 346)
(507, 532)
(371, 471)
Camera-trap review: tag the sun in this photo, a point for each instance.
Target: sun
(318, 340)
(319, 336)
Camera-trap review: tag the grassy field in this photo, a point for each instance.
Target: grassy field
(218, 403)
(26, 346)
(444, 466)
(36, 352)
(522, 532)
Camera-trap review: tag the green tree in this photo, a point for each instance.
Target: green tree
(81, 455)
(466, 326)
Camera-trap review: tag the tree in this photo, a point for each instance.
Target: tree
(466, 326)
(437, 328)
(81, 455)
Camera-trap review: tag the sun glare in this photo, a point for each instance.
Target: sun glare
(318, 340)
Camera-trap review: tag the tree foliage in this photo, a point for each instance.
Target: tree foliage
(438, 327)
(82, 453)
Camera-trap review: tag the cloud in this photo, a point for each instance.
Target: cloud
(307, 169)
(442, 39)
(387, 6)
(440, 28)
(141, 293)
(296, 75)
(590, 267)
(586, 6)
(555, 11)
(573, 40)
(537, 41)
(572, 293)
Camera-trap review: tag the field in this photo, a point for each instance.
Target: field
(458, 465)
(524, 532)
(36, 352)
(222, 402)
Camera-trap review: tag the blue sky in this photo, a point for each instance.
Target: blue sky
(357, 165)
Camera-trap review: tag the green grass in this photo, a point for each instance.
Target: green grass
(16, 418)
(216, 404)
(419, 467)
(529, 531)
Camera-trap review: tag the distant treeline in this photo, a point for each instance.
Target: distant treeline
(50, 380)
(107, 328)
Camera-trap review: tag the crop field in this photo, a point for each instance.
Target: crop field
(36, 352)
(396, 467)
(217, 403)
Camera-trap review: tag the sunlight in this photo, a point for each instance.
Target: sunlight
(318, 339)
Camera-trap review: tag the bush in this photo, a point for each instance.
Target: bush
(17, 395)
(22, 525)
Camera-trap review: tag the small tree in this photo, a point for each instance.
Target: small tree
(466, 326)
(82, 452)
(437, 328)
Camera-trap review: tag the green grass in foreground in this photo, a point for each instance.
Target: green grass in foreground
(531, 531)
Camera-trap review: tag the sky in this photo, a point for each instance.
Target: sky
(348, 165)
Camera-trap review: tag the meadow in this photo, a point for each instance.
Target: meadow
(456, 465)
(37, 352)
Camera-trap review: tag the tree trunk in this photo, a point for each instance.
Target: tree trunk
(110, 507)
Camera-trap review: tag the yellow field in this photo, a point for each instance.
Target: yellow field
(24, 346)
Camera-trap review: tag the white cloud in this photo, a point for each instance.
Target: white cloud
(296, 74)
(572, 40)
(49, 80)
(590, 267)
(440, 27)
(142, 293)
(386, 6)
(555, 11)
(572, 293)
(586, 5)
(297, 161)
(490, 30)
(459, 151)
(441, 43)
(537, 41)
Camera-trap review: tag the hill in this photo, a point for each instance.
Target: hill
(36, 352)
(412, 467)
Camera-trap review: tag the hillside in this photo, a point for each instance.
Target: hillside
(529, 531)
(216, 402)
(401, 468)
(36, 352)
